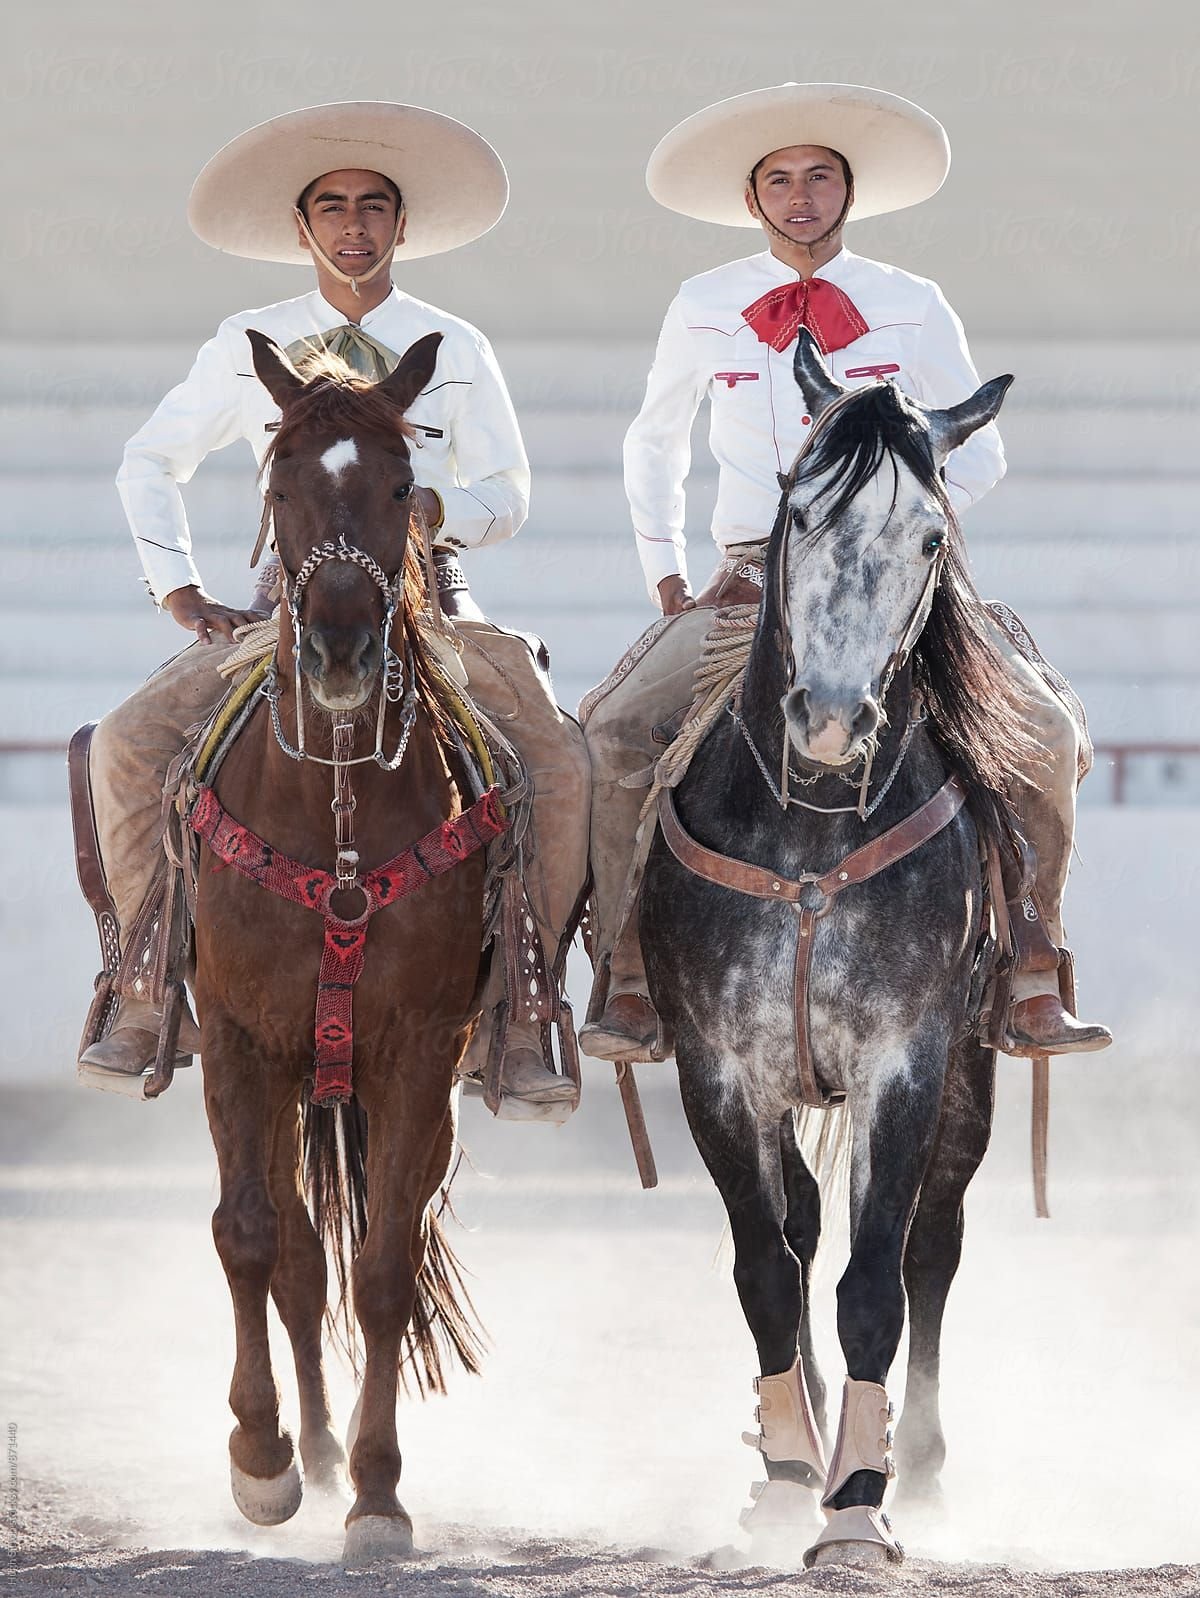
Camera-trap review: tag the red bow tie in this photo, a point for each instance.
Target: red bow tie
(829, 315)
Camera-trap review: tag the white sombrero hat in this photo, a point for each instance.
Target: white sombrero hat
(453, 183)
(899, 154)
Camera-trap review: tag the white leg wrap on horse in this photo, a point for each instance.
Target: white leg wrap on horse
(864, 1439)
(856, 1536)
(782, 1509)
(267, 1501)
(787, 1429)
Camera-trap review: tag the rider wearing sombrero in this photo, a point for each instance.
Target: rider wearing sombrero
(344, 189)
(797, 161)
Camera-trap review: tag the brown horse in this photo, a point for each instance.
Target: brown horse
(339, 488)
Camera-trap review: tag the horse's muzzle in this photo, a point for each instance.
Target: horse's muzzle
(826, 731)
(341, 665)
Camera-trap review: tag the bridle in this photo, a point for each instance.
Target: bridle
(394, 671)
(895, 663)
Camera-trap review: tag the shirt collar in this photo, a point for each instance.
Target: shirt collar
(836, 270)
(335, 318)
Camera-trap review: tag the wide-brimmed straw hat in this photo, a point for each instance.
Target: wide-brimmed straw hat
(899, 154)
(454, 184)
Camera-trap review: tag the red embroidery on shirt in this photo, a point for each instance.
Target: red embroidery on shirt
(881, 370)
(730, 378)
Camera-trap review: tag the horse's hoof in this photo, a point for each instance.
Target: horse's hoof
(267, 1501)
(860, 1537)
(371, 1538)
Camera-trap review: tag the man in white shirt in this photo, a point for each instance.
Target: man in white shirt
(411, 181)
(795, 160)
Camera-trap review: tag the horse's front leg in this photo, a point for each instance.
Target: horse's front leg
(743, 1157)
(894, 1100)
(931, 1257)
(802, 1228)
(299, 1287)
(406, 1159)
(245, 1103)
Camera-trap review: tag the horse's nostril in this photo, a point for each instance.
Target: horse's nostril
(795, 706)
(370, 653)
(314, 655)
(866, 719)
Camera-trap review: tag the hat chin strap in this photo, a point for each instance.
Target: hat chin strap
(335, 270)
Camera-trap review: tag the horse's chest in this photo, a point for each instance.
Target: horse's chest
(765, 998)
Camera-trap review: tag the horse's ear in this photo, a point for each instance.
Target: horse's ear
(414, 371)
(819, 389)
(952, 427)
(275, 372)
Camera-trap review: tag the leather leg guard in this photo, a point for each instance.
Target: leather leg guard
(864, 1439)
(787, 1432)
(861, 1534)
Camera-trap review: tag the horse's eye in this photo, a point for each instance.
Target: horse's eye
(932, 544)
(401, 494)
(279, 497)
(797, 519)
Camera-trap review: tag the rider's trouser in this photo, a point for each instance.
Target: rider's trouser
(653, 682)
(135, 743)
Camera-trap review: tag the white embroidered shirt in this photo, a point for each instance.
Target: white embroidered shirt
(471, 453)
(757, 417)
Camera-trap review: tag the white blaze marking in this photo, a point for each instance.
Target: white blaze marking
(340, 455)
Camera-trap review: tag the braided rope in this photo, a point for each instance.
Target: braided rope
(251, 644)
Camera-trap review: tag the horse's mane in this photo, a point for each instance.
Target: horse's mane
(976, 708)
(336, 397)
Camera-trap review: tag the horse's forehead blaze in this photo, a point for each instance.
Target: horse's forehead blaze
(339, 456)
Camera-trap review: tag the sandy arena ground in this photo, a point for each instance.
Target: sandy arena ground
(599, 1453)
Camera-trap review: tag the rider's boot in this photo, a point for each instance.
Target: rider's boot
(627, 1027)
(132, 1043)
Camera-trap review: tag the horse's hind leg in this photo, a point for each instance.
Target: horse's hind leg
(244, 1106)
(299, 1287)
(745, 1161)
(931, 1259)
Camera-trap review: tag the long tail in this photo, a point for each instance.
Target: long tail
(825, 1139)
(444, 1325)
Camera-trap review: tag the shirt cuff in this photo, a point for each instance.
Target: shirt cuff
(166, 570)
(661, 557)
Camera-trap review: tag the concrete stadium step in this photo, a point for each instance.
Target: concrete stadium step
(551, 373)
(540, 571)
(1027, 506)
(70, 439)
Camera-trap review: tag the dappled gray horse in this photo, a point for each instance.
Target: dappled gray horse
(811, 918)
